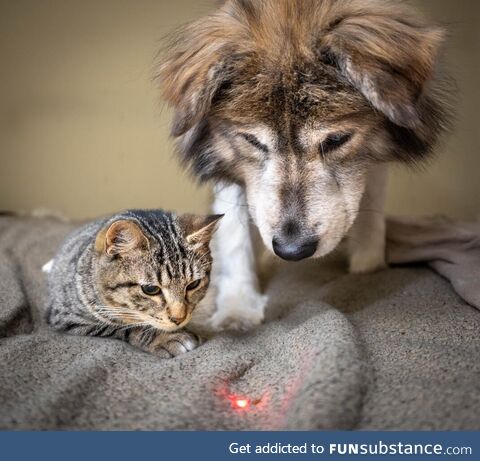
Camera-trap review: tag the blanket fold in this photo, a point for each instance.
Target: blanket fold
(451, 248)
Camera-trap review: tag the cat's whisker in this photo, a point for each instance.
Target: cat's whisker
(126, 315)
(133, 325)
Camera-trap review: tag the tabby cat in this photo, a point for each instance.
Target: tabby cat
(136, 276)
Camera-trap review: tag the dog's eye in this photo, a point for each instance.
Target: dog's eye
(193, 285)
(334, 141)
(151, 290)
(254, 142)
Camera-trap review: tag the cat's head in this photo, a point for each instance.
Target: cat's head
(153, 268)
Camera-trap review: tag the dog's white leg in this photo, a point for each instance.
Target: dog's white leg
(367, 236)
(240, 304)
(47, 267)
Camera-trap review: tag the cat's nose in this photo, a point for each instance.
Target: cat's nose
(178, 320)
(177, 315)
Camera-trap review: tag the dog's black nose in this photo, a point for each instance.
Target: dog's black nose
(294, 249)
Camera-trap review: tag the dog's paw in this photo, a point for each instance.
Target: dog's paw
(239, 310)
(364, 261)
(180, 343)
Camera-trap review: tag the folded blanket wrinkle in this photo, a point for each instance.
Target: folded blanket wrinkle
(398, 349)
(451, 248)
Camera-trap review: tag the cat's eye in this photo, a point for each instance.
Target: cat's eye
(254, 142)
(151, 290)
(193, 285)
(334, 141)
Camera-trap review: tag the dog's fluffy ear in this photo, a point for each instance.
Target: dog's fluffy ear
(388, 55)
(198, 63)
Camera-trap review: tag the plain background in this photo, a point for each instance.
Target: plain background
(83, 131)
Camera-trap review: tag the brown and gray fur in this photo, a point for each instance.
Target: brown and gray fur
(296, 101)
(98, 277)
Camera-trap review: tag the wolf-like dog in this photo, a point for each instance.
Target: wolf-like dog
(294, 108)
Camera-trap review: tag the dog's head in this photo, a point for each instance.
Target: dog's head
(295, 100)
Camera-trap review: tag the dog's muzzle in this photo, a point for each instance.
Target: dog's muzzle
(294, 248)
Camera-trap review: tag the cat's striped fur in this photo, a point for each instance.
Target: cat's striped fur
(101, 276)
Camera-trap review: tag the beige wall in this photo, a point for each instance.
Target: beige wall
(451, 184)
(82, 129)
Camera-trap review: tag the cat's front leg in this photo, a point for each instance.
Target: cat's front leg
(164, 344)
(178, 343)
(239, 303)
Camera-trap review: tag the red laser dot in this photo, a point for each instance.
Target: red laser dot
(241, 403)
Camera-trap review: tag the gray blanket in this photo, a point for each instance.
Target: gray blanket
(451, 248)
(398, 349)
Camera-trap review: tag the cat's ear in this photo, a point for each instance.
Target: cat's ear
(120, 238)
(199, 229)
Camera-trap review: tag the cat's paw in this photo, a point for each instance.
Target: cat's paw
(368, 260)
(180, 343)
(241, 310)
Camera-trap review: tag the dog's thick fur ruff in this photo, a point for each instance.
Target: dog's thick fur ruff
(294, 108)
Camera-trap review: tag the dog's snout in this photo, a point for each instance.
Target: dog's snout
(291, 246)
